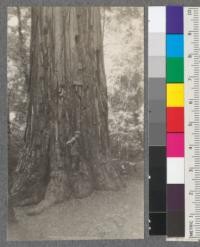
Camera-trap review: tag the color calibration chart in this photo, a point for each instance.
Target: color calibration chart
(174, 121)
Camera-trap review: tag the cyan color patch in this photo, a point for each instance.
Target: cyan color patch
(174, 45)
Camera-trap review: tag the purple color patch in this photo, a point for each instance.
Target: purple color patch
(175, 197)
(174, 18)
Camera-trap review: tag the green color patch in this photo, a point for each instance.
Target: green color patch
(175, 70)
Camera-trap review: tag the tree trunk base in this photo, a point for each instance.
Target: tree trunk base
(107, 176)
(79, 185)
(82, 186)
(57, 191)
(39, 208)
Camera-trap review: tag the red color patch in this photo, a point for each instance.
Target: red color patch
(175, 119)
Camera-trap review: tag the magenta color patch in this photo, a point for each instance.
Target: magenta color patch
(175, 144)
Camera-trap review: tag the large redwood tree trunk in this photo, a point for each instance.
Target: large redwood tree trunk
(67, 95)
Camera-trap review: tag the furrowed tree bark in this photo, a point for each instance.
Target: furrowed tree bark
(68, 95)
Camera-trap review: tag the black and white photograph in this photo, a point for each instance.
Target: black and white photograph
(75, 96)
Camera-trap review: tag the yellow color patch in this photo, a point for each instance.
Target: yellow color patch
(175, 94)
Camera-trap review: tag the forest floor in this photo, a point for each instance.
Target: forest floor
(103, 215)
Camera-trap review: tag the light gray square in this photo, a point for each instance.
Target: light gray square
(156, 66)
(154, 39)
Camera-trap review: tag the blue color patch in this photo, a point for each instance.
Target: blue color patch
(174, 45)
